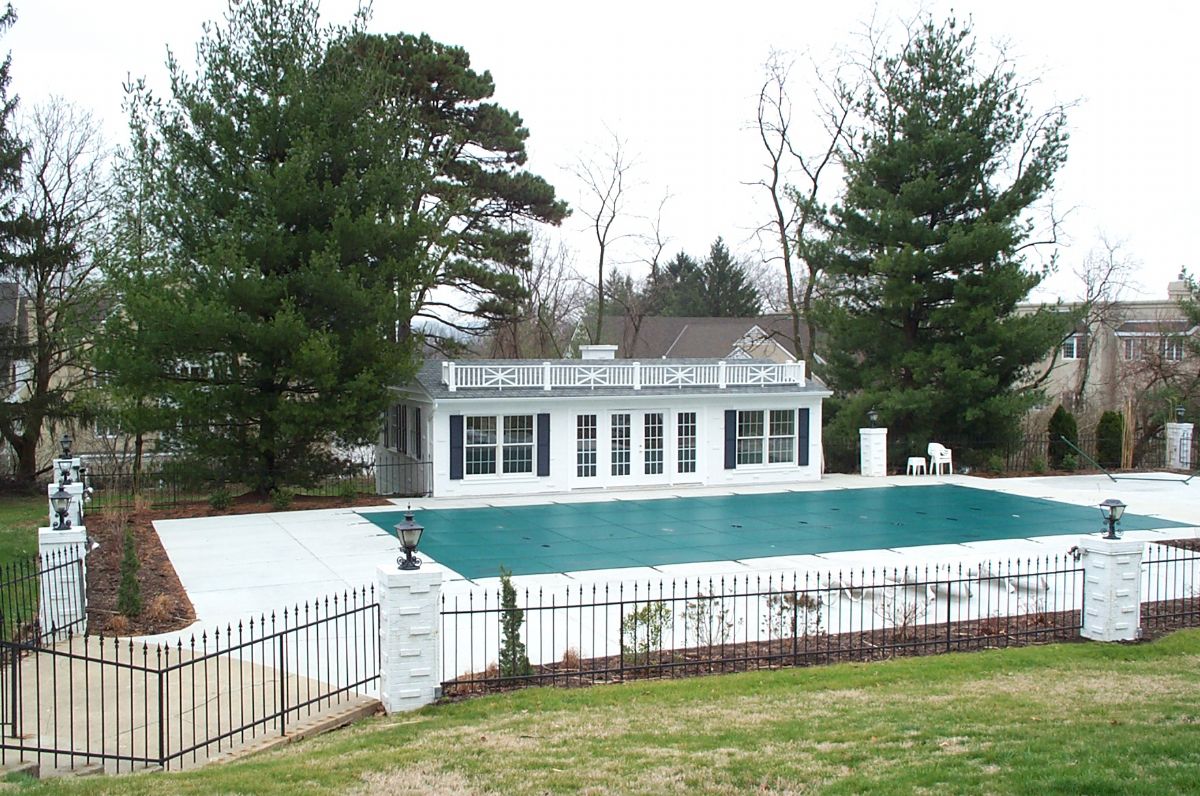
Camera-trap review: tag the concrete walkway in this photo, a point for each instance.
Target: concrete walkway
(115, 711)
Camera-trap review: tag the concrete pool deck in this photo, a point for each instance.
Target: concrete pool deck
(235, 566)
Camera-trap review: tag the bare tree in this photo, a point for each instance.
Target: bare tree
(54, 276)
(605, 183)
(797, 212)
(1105, 273)
(555, 298)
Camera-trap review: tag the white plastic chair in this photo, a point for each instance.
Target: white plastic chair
(939, 455)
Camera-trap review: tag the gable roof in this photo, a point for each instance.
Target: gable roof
(658, 337)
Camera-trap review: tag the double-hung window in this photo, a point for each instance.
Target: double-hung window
(766, 436)
(505, 441)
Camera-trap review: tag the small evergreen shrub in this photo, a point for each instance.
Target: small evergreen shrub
(1062, 426)
(995, 464)
(1110, 434)
(220, 500)
(1069, 463)
(129, 592)
(281, 499)
(1038, 465)
(347, 491)
(514, 662)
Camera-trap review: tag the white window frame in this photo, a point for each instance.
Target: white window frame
(686, 442)
(499, 441)
(1072, 347)
(587, 440)
(756, 443)
(1170, 348)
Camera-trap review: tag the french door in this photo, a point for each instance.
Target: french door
(623, 447)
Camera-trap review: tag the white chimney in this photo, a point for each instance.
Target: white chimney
(597, 352)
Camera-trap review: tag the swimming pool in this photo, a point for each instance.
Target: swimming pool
(568, 537)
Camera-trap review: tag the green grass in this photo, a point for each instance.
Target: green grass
(20, 517)
(1075, 718)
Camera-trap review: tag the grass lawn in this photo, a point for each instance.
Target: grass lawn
(1075, 718)
(20, 517)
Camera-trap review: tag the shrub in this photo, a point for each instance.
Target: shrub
(347, 491)
(995, 464)
(220, 500)
(1110, 435)
(282, 498)
(513, 660)
(1038, 465)
(1062, 426)
(129, 593)
(642, 630)
(1069, 462)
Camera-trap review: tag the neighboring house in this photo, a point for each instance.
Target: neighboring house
(1130, 348)
(523, 427)
(766, 337)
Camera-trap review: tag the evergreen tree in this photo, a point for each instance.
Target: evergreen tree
(129, 591)
(726, 291)
(676, 288)
(307, 190)
(928, 239)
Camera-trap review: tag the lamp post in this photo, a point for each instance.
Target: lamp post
(409, 534)
(1112, 510)
(873, 417)
(65, 442)
(60, 502)
(1179, 413)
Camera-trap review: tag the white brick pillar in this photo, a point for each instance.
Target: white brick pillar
(1112, 590)
(62, 593)
(873, 452)
(1179, 446)
(410, 655)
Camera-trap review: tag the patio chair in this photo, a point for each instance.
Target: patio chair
(939, 455)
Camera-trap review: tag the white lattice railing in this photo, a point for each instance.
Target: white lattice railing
(634, 375)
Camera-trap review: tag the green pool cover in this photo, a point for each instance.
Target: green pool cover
(568, 537)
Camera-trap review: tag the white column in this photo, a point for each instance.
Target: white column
(410, 656)
(63, 592)
(1112, 590)
(1179, 446)
(873, 452)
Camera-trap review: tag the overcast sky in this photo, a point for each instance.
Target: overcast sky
(679, 81)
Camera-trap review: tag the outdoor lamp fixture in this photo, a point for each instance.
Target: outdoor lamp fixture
(409, 534)
(65, 442)
(1111, 510)
(64, 471)
(60, 502)
(873, 417)
(1179, 413)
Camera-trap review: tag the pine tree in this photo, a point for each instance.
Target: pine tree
(726, 291)
(927, 253)
(307, 190)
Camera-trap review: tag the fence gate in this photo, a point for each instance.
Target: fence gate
(125, 705)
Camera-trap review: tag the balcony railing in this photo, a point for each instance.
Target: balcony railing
(633, 375)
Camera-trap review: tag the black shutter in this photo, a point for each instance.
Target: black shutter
(802, 420)
(730, 439)
(456, 447)
(543, 445)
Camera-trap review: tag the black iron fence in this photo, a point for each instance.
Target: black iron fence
(166, 484)
(615, 632)
(124, 704)
(43, 596)
(1171, 585)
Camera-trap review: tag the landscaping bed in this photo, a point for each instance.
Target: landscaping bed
(165, 603)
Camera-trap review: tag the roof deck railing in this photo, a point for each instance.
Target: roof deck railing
(632, 374)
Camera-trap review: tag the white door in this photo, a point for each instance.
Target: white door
(623, 448)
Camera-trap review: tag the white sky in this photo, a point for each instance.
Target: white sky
(679, 81)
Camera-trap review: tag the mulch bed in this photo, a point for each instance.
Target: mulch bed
(165, 604)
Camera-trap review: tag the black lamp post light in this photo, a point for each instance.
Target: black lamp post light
(60, 502)
(873, 417)
(65, 442)
(1112, 510)
(409, 534)
(1179, 412)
